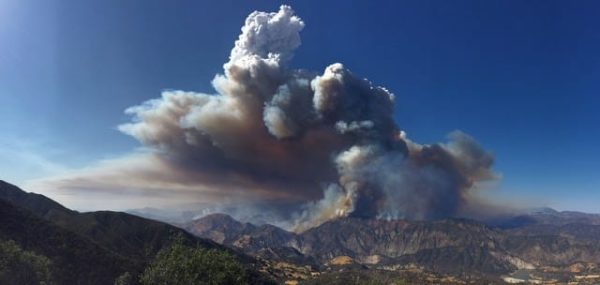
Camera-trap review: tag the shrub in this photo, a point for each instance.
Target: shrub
(181, 264)
(21, 267)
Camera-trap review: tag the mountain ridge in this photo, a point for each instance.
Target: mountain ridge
(114, 242)
(541, 243)
(449, 246)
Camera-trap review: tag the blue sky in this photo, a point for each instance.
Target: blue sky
(522, 77)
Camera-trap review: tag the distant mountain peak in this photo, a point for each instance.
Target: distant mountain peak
(543, 210)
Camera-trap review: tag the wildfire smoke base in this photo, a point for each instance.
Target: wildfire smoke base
(276, 134)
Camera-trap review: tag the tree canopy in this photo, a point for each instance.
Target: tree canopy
(21, 267)
(182, 264)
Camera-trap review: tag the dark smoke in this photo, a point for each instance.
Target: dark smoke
(278, 134)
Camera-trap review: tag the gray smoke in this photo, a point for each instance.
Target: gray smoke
(279, 134)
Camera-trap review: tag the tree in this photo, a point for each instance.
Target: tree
(21, 267)
(184, 265)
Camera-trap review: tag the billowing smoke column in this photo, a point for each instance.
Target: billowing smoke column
(328, 138)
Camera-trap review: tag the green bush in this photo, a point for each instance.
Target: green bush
(184, 265)
(21, 267)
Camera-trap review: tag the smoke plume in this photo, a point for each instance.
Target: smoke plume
(326, 142)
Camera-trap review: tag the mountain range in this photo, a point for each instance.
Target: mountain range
(556, 245)
(91, 247)
(97, 247)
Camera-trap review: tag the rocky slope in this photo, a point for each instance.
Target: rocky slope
(447, 246)
(265, 241)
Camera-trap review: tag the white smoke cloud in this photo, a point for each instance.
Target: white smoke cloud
(272, 36)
